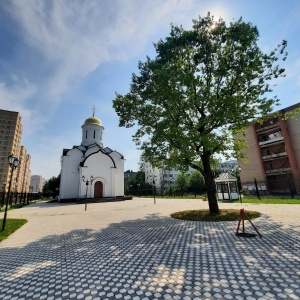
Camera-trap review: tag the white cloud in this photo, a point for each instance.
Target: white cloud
(46, 151)
(67, 41)
(72, 39)
(14, 97)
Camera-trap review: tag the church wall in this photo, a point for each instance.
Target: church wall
(119, 176)
(92, 134)
(91, 151)
(69, 181)
(106, 167)
(100, 166)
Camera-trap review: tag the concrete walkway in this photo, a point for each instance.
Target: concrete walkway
(134, 250)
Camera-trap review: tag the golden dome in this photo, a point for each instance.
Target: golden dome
(93, 121)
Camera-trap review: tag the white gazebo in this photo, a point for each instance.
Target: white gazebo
(227, 187)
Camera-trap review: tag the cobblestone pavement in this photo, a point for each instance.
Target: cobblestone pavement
(134, 250)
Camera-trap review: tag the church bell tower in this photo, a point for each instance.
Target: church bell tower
(92, 131)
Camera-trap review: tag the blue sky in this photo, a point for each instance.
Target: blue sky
(58, 59)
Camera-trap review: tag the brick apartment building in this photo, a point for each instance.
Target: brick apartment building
(23, 172)
(36, 183)
(273, 154)
(10, 143)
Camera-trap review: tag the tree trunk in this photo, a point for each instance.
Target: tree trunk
(210, 184)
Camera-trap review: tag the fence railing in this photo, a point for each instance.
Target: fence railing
(15, 199)
(145, 192)
(285, 186)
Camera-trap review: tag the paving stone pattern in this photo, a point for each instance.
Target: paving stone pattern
(145, 255)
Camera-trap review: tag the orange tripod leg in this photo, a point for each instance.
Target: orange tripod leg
(253, 226)
(241, 219)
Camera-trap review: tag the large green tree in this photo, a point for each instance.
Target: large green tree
(196, 182)
(182, 183)
(204, 85)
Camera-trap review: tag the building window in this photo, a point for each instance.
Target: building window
(94, 133)
(86, 134)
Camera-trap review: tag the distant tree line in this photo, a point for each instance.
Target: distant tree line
(184, 183)
(51, 187)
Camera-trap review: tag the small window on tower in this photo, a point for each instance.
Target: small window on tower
(86, 134)
(94, 133)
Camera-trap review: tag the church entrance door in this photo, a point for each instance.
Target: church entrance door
(98, 189)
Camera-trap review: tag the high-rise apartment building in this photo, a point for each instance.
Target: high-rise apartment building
(163, 178)
(10, 143)
(36, 183)
(227, 166)
(273, 154)
(23, 172)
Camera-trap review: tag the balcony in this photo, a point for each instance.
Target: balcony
(274, 140)
(274, 156)
(278, 171)
(268, 128)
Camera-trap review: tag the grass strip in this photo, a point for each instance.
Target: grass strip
(11, 226)
(204, 215)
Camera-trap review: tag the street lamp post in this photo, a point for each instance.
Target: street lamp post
(154, 187)
(240, 169)
(3, 194)
(237, 173)
(13, 163)
(87, 184)
(153, 179)
(154, 190)
(28, 194)
(31, 191)
(138, 185)
(172, 185)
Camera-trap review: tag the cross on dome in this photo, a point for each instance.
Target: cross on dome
(94, 109)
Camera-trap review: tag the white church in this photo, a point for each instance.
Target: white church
(90, 169)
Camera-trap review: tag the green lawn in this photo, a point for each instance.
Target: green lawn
(269, 200)
(245, 199)
(11, 226)
(204, 215)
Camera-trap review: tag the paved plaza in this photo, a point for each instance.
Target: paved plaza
(134, 250)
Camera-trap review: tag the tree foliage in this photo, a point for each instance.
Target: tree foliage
(204, 85)
(196, 182)
(51, 186)
(137, 185)
(182, 183)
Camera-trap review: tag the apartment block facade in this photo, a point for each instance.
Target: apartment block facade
(273, 154)
(163, 178)
(36, 183)
(227, 166)
(10, 143)
(23, 172)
